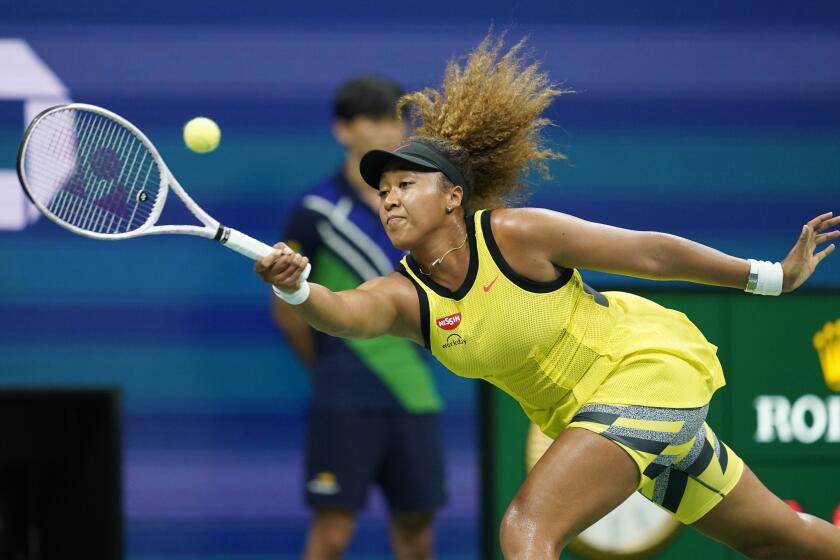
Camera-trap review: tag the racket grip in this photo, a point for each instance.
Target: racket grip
(243, 244)
(250, 247)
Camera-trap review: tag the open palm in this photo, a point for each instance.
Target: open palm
(802, 259)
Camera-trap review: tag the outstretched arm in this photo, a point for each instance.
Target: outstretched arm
(381, 306)
(571, 242)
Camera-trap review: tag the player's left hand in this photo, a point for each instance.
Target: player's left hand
(802, 260)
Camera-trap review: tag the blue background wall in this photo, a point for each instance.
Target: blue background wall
(717, 122)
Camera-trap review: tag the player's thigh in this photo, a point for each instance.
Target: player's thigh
(344, 452)
(412, 475)
(581, 477)
(750, 517)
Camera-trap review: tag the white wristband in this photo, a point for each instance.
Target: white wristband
(301, 294)
(766, 278)
(293, 298)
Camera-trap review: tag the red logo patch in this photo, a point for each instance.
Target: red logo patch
(450, 321)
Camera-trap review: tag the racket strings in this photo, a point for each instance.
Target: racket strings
(91, 172)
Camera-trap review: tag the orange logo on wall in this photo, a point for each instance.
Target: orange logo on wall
(827, 344)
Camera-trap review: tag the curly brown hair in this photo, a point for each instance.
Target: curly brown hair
(486, 120)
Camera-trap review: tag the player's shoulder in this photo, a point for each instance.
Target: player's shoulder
(397, 286)
(516, 222)
(518, 231)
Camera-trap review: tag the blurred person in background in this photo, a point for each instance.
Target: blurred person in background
(374, 417)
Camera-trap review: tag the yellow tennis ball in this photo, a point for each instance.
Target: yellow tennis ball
(202, 135)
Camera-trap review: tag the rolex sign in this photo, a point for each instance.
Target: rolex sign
(807, 419)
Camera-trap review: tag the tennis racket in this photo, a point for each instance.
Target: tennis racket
(96, 174)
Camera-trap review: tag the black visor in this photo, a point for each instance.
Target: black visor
(417, 153)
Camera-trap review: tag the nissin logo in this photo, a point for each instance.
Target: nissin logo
(450, 321)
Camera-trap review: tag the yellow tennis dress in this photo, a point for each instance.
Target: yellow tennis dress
(613, 363)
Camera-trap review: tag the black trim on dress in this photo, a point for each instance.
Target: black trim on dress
(512, 275)
(425, 318)
(472, 269)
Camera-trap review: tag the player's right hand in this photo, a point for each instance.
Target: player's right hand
(282, 268)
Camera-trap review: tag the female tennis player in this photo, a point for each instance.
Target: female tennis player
(622, 384)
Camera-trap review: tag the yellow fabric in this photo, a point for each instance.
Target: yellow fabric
(554, 351)
(689, 482)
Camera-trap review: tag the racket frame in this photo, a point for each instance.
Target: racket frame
(211, 228)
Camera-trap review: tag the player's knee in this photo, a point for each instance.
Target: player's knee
(522, 534)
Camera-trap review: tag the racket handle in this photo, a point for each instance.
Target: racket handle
(242, 244)
(250, 247)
